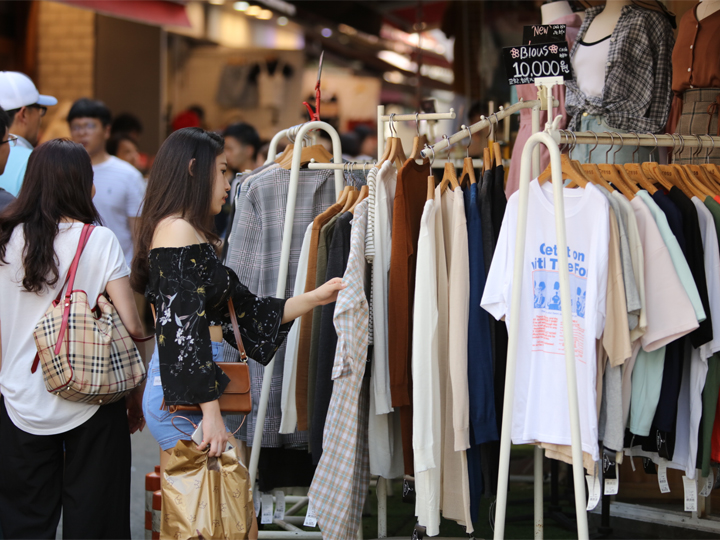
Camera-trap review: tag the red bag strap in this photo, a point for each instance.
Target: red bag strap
(68, 286)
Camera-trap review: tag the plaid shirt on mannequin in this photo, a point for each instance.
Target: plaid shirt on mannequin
(638, 75)
(342, 477)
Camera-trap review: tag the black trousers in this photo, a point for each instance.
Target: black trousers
(85, 471)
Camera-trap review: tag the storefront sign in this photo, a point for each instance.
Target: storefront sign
(525, 63)
(543, 33)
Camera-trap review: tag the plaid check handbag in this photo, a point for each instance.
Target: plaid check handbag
(87, 355)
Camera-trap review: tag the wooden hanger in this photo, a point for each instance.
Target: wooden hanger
(610, 173)
(468, 171)
(431, 188)
(449, 178)
(702, 174)
(396, 153)
(498, 154)
(284, 154)
(487, 161)
(419, 142)
(634, 175)
(568, 170)
(362, 195)
(637, 176)
(343, 195)
(352, 196)
(652, 171)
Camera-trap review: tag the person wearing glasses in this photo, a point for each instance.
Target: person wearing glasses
(5, 141)
(120, 186)
(26, 107)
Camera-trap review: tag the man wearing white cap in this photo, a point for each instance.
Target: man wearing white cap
(26, 107)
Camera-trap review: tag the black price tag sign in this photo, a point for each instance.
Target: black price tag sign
(543, 33)
(525, 63)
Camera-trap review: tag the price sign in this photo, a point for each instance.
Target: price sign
(525, 63)
(543, 33)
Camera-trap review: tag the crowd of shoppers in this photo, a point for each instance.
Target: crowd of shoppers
(71, 458)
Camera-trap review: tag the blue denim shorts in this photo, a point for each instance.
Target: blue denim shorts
(159, 421)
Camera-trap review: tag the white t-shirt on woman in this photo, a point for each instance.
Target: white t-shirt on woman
(29, 405)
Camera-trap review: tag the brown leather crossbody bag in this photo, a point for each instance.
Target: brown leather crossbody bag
(236, 397)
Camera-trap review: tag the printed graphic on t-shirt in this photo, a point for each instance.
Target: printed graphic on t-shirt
(547, 316)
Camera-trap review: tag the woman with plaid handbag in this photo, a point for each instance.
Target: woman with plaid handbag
(58, 454)
(177, 268)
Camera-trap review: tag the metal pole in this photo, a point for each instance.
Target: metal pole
(380, 131)
(536, 152)
(538, 485)
(283, 271)
(382, 507)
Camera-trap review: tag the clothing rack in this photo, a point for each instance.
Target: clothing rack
(698, 520)
(549, 139)
(415, 117)
(296, 132)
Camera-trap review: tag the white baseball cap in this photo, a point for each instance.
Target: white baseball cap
(17, 90)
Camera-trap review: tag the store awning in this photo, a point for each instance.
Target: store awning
(156, 12)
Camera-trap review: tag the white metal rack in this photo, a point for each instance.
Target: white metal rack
(298, 133)
(549, 138)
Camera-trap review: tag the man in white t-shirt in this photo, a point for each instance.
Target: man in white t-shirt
(120, 187)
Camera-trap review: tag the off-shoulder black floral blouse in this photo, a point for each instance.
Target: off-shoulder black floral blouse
(190, 288)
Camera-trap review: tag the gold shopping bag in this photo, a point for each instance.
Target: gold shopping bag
(205, 497)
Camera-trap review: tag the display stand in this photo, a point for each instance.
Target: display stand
(299, 132)
(547, 139)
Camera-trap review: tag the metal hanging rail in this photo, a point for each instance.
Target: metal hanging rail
(637, 139)
(484, 123)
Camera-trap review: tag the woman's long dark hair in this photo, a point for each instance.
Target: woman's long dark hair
(58, 184)
(172, 190)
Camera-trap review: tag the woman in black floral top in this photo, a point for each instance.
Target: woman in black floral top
(177, 268)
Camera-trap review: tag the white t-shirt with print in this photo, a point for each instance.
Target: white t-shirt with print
(120, 189)
(540, 410)
(30, 406)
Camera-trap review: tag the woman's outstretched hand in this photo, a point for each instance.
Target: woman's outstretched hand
(328, 292)
(324, 294)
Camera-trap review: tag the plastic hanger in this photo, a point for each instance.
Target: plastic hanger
(431, 178)
(419, 142)
(610, 172)
(569, 172)
(468, 172)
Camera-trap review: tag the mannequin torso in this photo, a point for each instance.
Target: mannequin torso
(707, 8)
(605, 22)
(552, 12)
